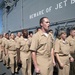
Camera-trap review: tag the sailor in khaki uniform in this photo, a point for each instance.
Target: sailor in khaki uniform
(25, 54)
(6, 50)
(3, 55)
(62, 52)
(18, 36)
(71, 40)
(1, 51)
(12, 51)
(30, 36)
(41, 47)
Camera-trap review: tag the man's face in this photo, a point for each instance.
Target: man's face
(64, 35)
(7, 36)
(73, 33)
(12, 36)
(31, 34)
(45, 24)
(19, 34)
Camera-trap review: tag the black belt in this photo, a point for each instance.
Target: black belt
(63, 55)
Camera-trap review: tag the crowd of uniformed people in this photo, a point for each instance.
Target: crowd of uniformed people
(39, 52)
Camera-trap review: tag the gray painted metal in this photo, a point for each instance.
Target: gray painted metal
(26, 13)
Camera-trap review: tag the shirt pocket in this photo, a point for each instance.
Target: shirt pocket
(71, 43)
(65, 49)
(24, 46)
(72, 46)
(42, 44)
(12, 46)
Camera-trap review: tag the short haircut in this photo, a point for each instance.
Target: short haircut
(73, 28)
(61, 32)
(6, 34)
(30, 32)
(41, 20)
(25, 33)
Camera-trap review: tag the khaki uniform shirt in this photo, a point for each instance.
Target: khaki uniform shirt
(17, 38)
(12, 46)
(24, 45)
(42, 44)
(0, 44)
(62, 47)
(4, 42)
(71, 42)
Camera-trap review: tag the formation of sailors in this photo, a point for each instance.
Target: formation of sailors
(39, 50)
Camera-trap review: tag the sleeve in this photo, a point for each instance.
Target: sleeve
(0, 41)
(34, 43)
(67, 39)
(70, 56)
(52, 38)
(3, 44)
(53, 44)
(18, 44)
(7, 45)
(57, 46)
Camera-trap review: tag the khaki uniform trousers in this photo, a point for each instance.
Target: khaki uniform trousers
(13, 62)
(65, 70)
(45, 65)
(26, 64)
(3, 57)
(72, 65)
(7, 60)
